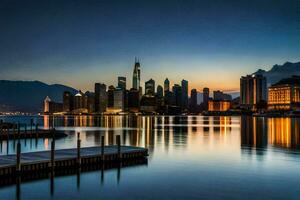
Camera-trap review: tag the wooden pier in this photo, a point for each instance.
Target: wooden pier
(12, 131)
(64, 158)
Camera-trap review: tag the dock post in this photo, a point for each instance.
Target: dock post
(78, 149)
(18, 164)
(36, 130)
(19, 130)
(25, 131)
(119, 147)
(52, 154)
(31, 124)
(102, 148)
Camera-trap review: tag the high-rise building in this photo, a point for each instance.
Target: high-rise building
(193, 102)
(133, 100)
(110, 96)
(159, 91)
(67, 101)
(177, 91)
(122, 82)
(285, 94)
(51, 106)
(150, 87)
(136, 78)
(205, 98)
(100, 98)
(185, 95)
(166, 86)
(219, 96)
(253, 89)
(119, 103)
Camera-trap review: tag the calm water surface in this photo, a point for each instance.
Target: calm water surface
(191, 157)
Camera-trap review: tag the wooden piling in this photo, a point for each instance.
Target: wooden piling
(119, 146)
(18, 163)
(102, 147)
(52, 153)
(78, 149)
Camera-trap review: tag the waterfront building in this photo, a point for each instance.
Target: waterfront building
(80, 103)
(169, 98)
(148, 104)
(285, 95)
(205, 98)
(51, 106)
(166, 86)
(90, 102)
(218, 105)
(177, 92)
(219, 95)
(150, 87)
(136, 78)
(185, 95)
(193, 101)
(133, 100)
(253, 90)
(119, 103)
(68, 101)
(122, 82)
(110, 97)
(160, 92)
(100, 98)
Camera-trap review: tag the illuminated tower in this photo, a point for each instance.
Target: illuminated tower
(166, 86)
(136, 78)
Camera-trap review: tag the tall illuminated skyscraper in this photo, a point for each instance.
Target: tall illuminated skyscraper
(185, 95)
(205, 97)
(136, 78)
(150, 87)
(166, 86)
(122, 82)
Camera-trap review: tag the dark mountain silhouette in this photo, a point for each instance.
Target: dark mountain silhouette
(28, 96)
(279, 72)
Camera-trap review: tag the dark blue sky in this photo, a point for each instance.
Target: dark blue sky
(210, 43)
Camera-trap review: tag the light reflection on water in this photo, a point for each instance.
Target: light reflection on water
(191, 157)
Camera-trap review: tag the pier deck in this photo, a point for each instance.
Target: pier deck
(41, 160)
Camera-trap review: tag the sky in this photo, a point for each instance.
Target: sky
(209, 43)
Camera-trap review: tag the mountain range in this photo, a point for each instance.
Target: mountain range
(278, 72)
(28, 96)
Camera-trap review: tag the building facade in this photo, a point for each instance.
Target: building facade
(253, 90)
(136, 78)
(185, 95)
(285, 95)
(205, 98)
(100, 98)
(218, 106)
(150, 87)
(122, 82)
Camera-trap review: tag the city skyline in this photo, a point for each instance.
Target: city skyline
(79, 43)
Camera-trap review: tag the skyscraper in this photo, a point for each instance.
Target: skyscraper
(133, 100)
(150, 87)
(185, 95)
(193, 102)
(67, 101)
(253, 89)
(177, 91)
(205, 98)
(136, 78)
(110, 96)
(166, 86)
(160, 91)
(119, 103)
(122, 82)
(100, 98)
